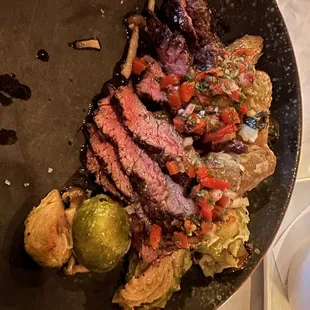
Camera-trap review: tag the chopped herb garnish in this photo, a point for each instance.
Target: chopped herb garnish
(158, 79)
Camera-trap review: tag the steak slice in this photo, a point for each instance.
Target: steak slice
(201, 19)
(149, 87)
(155, 133)
(193, 19)
(170, 46)
(105, 151)
(154, 189)
(177, 16)
(93, 166)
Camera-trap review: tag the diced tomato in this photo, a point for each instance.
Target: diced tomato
(242, 68)
(182, 240)
(201, 76)
(179, 124)
(216, 88)
(173, 167)
(206, 228)
(191, 171)
(223, 202)
(217, 213)
(138, 66)
(206, 212)
(246, 79)
(199, 128)
(225, 53)
(202, 173)
(175, 100)
(187, 91)
(230, 116)
(215, 72)
(221, 133)
(205, 99)
(245, 51)
(155, 236)
(235, 95)
(169, 80)
(243, 109)
(187, 225)
(214, 183)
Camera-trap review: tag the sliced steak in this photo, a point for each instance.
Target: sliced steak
(93, 166)
(200, 15)
(134, 161)
(171, 47)
(193, 19)
(149, 86)
(157, 193)
(177, 16)
(105, 151)
(155, 133)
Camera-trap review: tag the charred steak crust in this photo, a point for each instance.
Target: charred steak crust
(171, 47)
(94, 167)
(176, 13)
(193, 19)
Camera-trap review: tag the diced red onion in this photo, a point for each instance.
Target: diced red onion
(189, 110)
(188, 141)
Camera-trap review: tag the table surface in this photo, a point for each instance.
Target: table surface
(297, 17)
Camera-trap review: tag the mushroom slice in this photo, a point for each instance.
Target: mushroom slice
(76, 197)
(74, 267)
(92, 43)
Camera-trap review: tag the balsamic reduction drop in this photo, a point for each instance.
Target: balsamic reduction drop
(43, 55)
(12, 89)
(7, 137)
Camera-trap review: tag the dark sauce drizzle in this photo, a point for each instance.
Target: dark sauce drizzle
(43, 55)
(7, 137)
(11, 88)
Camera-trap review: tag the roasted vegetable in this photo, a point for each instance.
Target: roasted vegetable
(101, 233)
(225, 249)
(153, 288)
(47, 235)
(249, 46)
(244, 172)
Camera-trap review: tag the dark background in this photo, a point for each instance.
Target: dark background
(61, 92)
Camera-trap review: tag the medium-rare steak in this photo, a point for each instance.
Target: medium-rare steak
(171, 47)
(105, 151)
(157, 193)
(149, 86)
(93, 167)
(152, 132)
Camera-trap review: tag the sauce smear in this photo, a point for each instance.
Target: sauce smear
(7, 137)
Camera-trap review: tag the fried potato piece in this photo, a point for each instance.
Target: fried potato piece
(248, 42)
(258, 99)
(259, 95)
(258, 165)
(243, 172)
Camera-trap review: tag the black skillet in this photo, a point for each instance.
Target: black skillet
(47, 127)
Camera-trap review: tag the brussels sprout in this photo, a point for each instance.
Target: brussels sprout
(101, 233)
(47, 235)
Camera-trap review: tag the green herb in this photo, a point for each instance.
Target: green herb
(157, 79)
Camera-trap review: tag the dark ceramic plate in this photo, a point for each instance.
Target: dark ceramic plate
(48, 125)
